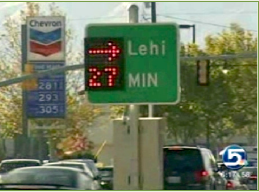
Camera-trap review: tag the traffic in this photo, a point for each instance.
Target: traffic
(133, 105)
(185, 168)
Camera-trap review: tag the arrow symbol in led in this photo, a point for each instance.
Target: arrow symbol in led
(112, 51)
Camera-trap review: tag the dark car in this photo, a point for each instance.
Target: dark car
(10, 164)
(106, 174)
(48, 176)
(187, 168)
(251, 163)
(249, 177)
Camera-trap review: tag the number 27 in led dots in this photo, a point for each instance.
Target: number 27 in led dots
(104, 64)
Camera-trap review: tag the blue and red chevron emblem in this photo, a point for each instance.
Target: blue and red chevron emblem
(45, 44)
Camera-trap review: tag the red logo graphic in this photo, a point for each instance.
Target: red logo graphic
(45, 50)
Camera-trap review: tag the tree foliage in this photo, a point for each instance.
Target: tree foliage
(79, 110)
(225, 108)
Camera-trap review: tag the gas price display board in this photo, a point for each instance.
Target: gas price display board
(49, 100)
(104, 61)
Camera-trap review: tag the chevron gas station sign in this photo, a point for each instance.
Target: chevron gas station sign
(46, 38)
(45, 49)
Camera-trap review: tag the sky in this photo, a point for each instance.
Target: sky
(208, 17)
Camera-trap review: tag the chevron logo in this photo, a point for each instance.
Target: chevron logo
(45, 44)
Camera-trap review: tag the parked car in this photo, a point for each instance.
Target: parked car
(80, 166)
(249, 177)
(187, 168)
(43, 176)
(106, 174)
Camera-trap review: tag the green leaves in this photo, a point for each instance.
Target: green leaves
(80, 113)
(225, 108)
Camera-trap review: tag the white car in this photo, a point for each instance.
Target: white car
(80, 166)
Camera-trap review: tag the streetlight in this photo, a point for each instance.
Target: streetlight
(152, 5)
(193, 30)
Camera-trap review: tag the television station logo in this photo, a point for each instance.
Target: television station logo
(234, 157)
(45, 38)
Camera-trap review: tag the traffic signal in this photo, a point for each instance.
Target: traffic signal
(203, 72)
(29, 84)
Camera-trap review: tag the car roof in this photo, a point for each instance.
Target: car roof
(65, 162)
(181, 146)
(51, 167)
(250, 167)
(20, 160)
(79, 160)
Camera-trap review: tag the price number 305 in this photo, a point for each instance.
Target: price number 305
(49, 109)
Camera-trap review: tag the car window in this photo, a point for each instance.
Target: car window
(183, 159)
(106, 172)
(92, 167)
(206, 160)
(8, 166)
(54, 177)
(212, 161)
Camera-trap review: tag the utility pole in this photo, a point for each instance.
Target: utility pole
(185, 26)
(153, 12)
(193, 34)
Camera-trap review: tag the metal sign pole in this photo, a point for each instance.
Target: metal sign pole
(153, 15)
(25, 138)
(134, 121)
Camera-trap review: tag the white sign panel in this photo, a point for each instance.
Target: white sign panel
(46, 38)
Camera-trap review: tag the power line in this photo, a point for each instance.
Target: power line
(94, 18)
(201, 22)
(212, 13)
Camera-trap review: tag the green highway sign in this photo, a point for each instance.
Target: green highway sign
(132, 63)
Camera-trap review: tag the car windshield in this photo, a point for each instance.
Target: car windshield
(42, 176)
(78, 166)
(182, 160)
(8, 166)
(92, 167)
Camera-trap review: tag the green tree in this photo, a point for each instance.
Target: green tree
(240, 79)
(225, 108)
(10, 64)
